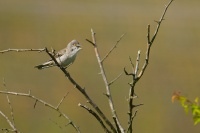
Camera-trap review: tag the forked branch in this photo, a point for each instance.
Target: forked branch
(42, 102)
(95, 116)
(82, 90)
(135, 76)
(108, 93)
(14, 129)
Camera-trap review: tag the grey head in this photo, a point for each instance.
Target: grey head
(73, 47)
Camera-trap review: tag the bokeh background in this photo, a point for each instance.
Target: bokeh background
(174, 61)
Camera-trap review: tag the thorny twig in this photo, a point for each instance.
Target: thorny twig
(62, 100)
(21, 50)
(14, 129)
(106, 56)
(82, 90)
(95, 116)
(135, 76)
(8, 99)
(108, 93)
(43, 102)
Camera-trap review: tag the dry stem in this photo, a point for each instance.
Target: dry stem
(108, 93)
(135, 76)
(43, 102)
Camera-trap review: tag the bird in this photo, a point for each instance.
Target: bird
(64, 57)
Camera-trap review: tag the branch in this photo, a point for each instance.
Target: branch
(115, 46)
(108, 94)
(82, 90)
(111, 82)
(149, 43)
(137, 64)
(131, 121)
(42, 102)
(95, 116)
(8, 99)
(21, 50)
(62, 100)
(134, 75)
(160, 21)
(10, 123)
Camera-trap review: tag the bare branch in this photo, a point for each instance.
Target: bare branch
(43, 102)
(129, 129)
(108, 93)
(9, 122)
(137, 63)
(62, 100)
(90, 42)
(82, 90)
(21, 50)
(115, 46)
(115, 79)
(137, 77)
(11, 108)
(95, 116)
(160, 21)
(131, 64)
(57, 124)
(148, 34)
(128, 74)
(153, 38)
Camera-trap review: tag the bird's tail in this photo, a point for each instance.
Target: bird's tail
(39, 67)
(45, 65)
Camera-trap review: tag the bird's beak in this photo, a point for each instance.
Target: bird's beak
(78, 46)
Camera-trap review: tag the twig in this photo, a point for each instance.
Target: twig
(9, 122)
(131, 64)
(137, 64)
(134, 75)
(160, 21)
(57, 124)
(62, 100)
(96, 116)
(108, 94)
(113, 48)
(21, 50)
(82, 90)
(43, 102)
(150, 42)
(111, 82)
(11, 108)
(130, 122)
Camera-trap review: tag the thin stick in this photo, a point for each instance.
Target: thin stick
(137, 64)
(95, 116)
(134, 74)
(11, 108)
(62, 100)
(106, 56)
(9, 122)
(21, 50)
(149, 43)
(111, 82)
(108, 93)
(160, 21)
(43, 102)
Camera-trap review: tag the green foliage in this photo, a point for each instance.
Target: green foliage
(189, 105)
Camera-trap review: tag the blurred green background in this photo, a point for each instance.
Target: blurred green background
(174, 61)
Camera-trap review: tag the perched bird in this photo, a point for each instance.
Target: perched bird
(64, 57)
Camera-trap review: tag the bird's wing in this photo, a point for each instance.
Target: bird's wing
(60, 53)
